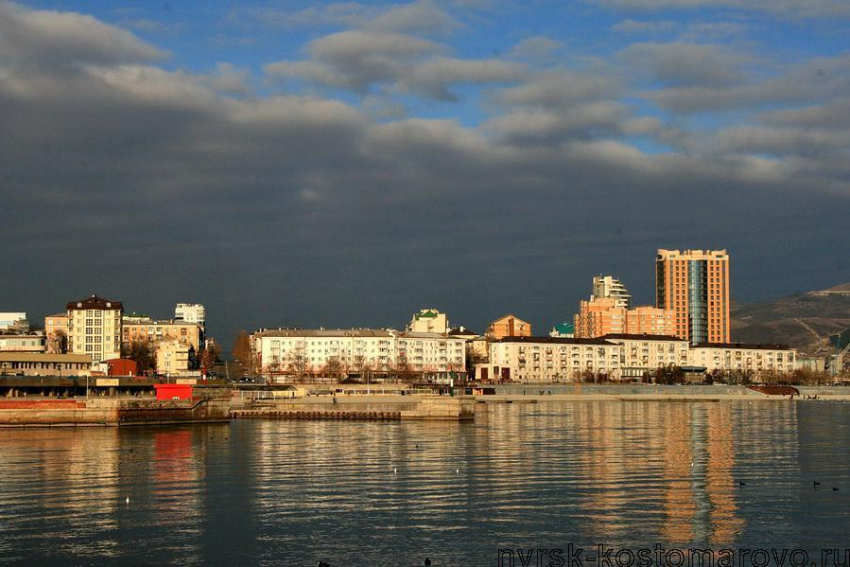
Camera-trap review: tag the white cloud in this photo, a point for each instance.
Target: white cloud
(49, 38)
(535, 49)
(680, 64)
(785, 8)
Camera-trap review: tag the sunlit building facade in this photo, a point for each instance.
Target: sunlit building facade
(94, 328)
(358, 351)
(695, 285)
(550, 359)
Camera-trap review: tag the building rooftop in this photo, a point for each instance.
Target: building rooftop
(427, 314)
(415, 335)
(43, 358)
(325, 333)
(462, 331)
(557, 340)
(95, 302)
(643, 337)
(565, 328)
(743, 346)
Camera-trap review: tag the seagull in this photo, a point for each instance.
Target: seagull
(127, 501)
(457, 471)
(742, 483)
(427, 562)
(395, 470)
(815, 484)
(834, 489)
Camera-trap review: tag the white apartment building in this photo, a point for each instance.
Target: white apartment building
(355, 351)
(94, 328)
(191, 313)
(646, 353)
(429, 321)
(550, 359)
(14, 321)
(731, 357)
(605, 287)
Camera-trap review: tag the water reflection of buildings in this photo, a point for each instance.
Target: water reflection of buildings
(667, 467)
(68, 477)
(700, 503)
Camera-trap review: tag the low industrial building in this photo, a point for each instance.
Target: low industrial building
(23, 342)
(40, 364)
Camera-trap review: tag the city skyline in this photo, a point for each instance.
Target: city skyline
(224, 336)
(346, 164)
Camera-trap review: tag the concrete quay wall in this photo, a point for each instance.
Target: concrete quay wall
(106, 412)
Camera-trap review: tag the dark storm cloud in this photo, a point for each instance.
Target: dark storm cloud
(156, 186)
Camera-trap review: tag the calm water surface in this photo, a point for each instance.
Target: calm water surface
(629, 474)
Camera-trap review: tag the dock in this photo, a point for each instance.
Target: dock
(425, 407)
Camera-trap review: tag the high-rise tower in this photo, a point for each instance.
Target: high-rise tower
(695, 284)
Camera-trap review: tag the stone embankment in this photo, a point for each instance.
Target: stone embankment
(425, 407)
(110, 412)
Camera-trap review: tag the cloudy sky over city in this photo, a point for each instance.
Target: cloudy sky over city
(344, 163)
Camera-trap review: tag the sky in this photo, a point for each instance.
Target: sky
(347, 163)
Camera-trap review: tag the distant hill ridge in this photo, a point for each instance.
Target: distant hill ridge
(804, 320)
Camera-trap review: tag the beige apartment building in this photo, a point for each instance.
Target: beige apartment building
(731, 357)
(172, 356)
(94, 328)
(140, 327)
(695, 285)
(358, 351)
(175, 340)
(429, 321)
(645, 353)
(508, 326)
(550, 359)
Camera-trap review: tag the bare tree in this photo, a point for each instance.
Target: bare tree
(143, 352)
(243, 354)
(333, 369)
(298, 363)
(209, 356)
(57, 342)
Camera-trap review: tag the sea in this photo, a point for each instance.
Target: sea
(597, 484)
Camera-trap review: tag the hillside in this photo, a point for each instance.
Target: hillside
(804, 320)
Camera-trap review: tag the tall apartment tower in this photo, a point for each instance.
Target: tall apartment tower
(605, 287)
(94, 328)
(695, 285)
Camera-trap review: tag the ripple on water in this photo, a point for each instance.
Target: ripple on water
(292, 492)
